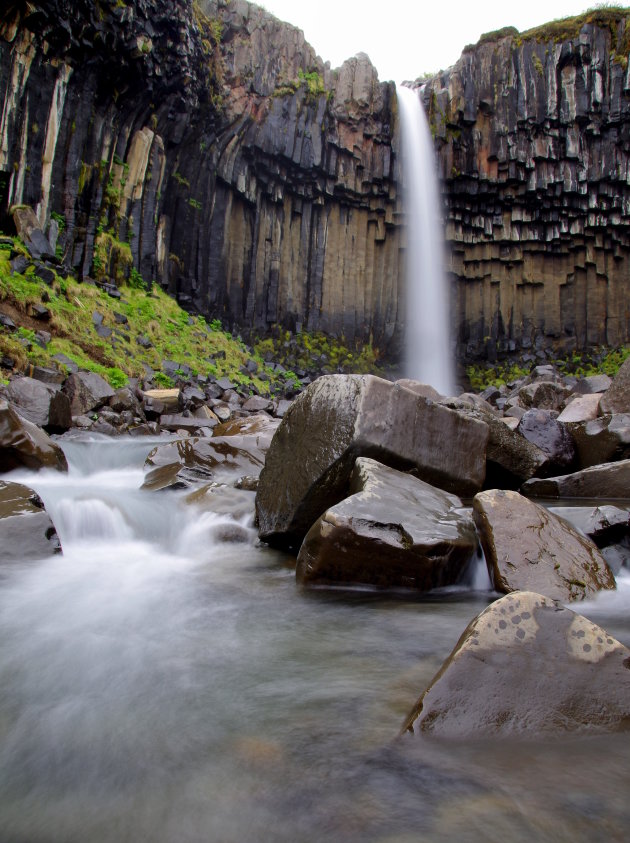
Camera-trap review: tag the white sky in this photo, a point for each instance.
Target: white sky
(406, 38)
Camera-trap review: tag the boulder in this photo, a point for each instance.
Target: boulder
(87, 391)
(190, 423)
(41, 403)
(511, 458)
(26, 531)
(541, 428)
(529, 548)
(393, 531)
(24, 445)
(593, 384)
(605, 439)
(30, 232)
(257, 403)
(525, 667)
(581, 408)
(341, 417)
(543, 395)
(609, 480)
(616, 399)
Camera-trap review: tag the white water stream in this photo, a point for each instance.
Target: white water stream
(160, 684)
(428, 356)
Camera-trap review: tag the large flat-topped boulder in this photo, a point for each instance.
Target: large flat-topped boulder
(341, 417)
(24, 445)
(526, 666)
(393, 531)
(528, 548)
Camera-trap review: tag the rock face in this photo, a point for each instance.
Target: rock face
(26, 531)
(532, 138)
(526, 666)
(222, 159)
(528, 548)
(393, 531)
(24, 445)
(341, 417)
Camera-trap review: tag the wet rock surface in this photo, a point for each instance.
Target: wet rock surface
(527, 667)
(528, 548)
(24, 445)
(392, 531)
(341, 417)
(608, 480)
(26, 530)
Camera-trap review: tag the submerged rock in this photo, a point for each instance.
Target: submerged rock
(529, 548)
(340, 417)
(393, 531)
(528, 666)
(24, 445)
(26, 531)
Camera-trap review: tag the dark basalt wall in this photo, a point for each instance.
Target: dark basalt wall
(248, 178)
(208, 146)
(533, 140)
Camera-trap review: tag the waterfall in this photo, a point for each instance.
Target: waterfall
(428, 355)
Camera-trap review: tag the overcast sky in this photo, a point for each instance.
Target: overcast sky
(406, 38)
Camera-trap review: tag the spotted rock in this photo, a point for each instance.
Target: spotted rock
(526, 665)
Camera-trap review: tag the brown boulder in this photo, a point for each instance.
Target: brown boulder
(605, 439)
(609, 480)
(24, 445)
(529, 548)
(526, 666)
(87, 391)
(340, 417)
(393, 531)
(26, 531)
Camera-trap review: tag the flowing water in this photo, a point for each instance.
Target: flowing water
(161, 684)
(428, 343)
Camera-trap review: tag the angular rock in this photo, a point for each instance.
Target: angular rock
(608, 480)
(581, 408)
(542, 429)
(424, 389)
(86, 391)
(41, 403)
(529, 548)
(593, 384)
(189, 461)
(526, 667)
(24, 445)
(341, 417)
(29, 231)
(257, 403)
(605, 439)
(616, 399)
(543, 395)
(26, 531)
(393, 531)
(190, 423)
(604, 524)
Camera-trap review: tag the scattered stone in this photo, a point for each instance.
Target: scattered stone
(145, 342)
(581, 408)
(120, 318)
(26, 531)
(20, 264)
(69, 364)
(7, 322)
(593, 384)
(541, 428)
(605, 439)
(86, 391)
(45, 274)
(608, 480)
(30, 233)
(529, 548)
(543, 395)
(190, 424)
(97, 318)
(280, 408)
(340, 417)
(103, 331)
(24, 445)
(256, 403)
(169, 399)
(225, 384)
(604, 524)
(41, 403)
(40, 312)
(616, 399)
(527, 666)
(392, 531)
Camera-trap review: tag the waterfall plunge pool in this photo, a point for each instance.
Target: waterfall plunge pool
(160, 684)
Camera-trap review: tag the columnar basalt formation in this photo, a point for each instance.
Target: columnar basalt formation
(207, 145)
(533, 140)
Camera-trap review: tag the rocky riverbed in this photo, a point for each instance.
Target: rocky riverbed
(388, 485)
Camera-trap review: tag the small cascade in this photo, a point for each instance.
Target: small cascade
(428, 347)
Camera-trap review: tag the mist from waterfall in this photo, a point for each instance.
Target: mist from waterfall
(427, 343)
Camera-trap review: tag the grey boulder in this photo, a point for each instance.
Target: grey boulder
(526, 667)
(41, 403)
(24, 445)
(26, 531)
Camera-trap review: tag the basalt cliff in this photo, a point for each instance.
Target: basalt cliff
(206, 147)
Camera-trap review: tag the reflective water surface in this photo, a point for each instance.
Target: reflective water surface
(158, 683)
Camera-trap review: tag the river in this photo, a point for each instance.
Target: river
(162, 682)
